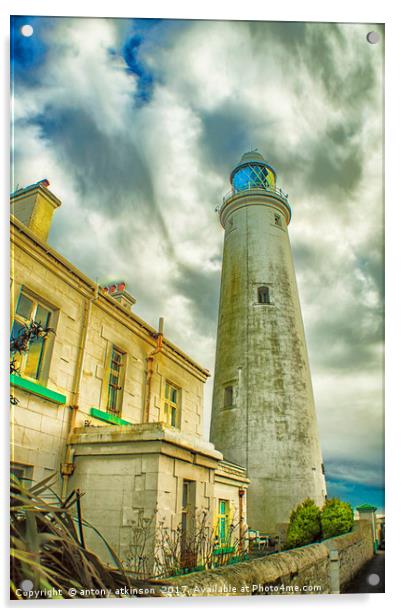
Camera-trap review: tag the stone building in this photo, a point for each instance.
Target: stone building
(263, 414)
(106, 401)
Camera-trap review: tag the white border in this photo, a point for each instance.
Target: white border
(341, 11)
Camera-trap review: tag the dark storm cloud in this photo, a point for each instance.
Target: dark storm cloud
(358, 346)
(202, 288)
(331, 164)
(110, 174)
(349, 330)
(334, 175)
(225, 134)
(97, 162)
(346, 469)
(326, 52)
(288, 34)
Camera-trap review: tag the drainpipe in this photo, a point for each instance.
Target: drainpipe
(67, 467)
(150, 370)
(241, 494)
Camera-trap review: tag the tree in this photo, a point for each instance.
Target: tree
(336, 518)
(304, 526)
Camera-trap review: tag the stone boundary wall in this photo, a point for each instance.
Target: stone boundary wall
(321, 568)
(352, 550)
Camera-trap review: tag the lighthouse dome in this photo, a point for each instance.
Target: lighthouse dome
(253, 172)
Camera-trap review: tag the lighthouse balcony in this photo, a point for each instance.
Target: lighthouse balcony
(272, 190)
(254, 195)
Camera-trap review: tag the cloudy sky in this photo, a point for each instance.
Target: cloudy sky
(137, 124)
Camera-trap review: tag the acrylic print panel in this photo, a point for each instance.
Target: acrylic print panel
(197, 298)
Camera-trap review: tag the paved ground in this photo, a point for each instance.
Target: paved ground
(370, 578)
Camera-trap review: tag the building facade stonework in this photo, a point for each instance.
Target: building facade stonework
(105, 401)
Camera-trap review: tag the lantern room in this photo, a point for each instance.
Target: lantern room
(253, 172)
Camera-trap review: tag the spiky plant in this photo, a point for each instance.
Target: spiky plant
(48, 549)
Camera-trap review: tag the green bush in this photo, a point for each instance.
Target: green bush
(304, 526)
(336, 518)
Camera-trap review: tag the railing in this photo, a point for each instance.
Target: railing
(268, 189)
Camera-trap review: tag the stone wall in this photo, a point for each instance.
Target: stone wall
(322, 568)
(353, 550)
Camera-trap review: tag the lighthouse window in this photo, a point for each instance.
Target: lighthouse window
(277, 220)
(264, 295)
(228, 396)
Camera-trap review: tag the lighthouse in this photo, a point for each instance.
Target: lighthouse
(263, 412)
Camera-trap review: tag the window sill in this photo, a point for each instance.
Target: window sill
(226, 550)
(267, 304)
(38, 390)
(108, 417)
(170, 427)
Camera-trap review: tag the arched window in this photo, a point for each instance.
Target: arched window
(263, 295)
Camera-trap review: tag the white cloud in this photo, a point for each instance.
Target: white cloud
(139, 183)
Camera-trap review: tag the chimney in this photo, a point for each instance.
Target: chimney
(34, 206)
(117, 290)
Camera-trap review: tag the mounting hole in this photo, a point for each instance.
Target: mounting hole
(373, 37)
(27, 30)
(373, 579)
(26, 585)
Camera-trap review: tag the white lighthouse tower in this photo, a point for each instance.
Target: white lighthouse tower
(263, 414)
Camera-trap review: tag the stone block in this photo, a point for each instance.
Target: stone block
(151, 481)
(24, 417)
(139, 484)
(150, 464)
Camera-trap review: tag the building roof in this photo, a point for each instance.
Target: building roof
(366, 507)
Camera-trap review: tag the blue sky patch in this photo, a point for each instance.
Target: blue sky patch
(27, 54)
(131, 52)
(355, 493)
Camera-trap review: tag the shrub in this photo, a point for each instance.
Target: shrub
(304, 526)
(336, 518)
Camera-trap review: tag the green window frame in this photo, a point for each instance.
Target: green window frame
(223, 515)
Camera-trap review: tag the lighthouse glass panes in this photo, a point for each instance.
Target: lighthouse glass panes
(115, 382)
(252, 176)
(30, 364)
(171, 405)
